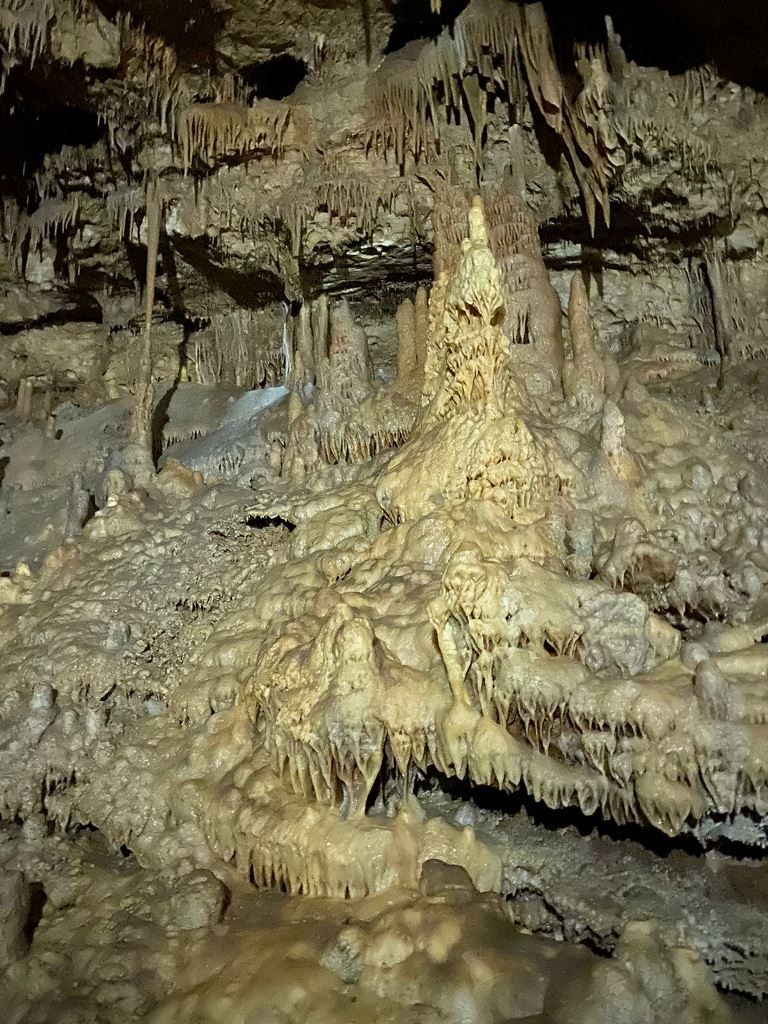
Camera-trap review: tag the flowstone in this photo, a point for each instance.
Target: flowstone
(556, 683)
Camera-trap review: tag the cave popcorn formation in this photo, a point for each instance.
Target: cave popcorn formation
(384, 528)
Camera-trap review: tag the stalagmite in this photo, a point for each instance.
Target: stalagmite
(421, 325)
(295, 405)
(406, 339)
(78, 507)
(584, 377)
(719, 320)
(623, 463)
(24, 398)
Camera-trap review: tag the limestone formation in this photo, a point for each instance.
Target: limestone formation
(585, 377)
(383, 513)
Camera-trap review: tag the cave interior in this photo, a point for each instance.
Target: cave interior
(383, 512)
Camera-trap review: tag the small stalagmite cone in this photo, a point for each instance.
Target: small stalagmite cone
(46, 405)
(24, 398)
(405, 320)
(578, 317)
(295, 406)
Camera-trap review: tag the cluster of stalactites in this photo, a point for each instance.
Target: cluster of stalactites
(24, 28)
(60, 197)
(349, 193)
(235, 351)
(151, 63)
(123, 204)
(55, 217)
(210, 131)
(502, 43)
(69, 167)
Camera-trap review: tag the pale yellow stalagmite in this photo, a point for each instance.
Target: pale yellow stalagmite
(532, 314)
(468, 442)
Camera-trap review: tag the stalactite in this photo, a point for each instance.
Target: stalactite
(24, 30)
(210, 131)
(658, 122)
(54, 218)
(488, 40)
(476, 99)
(123, 204)
(235, 351)
(153, 65)
(345, 190)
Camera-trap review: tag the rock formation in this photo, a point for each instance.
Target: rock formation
(384, 533)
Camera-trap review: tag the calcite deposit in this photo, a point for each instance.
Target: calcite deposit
(383, 513)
